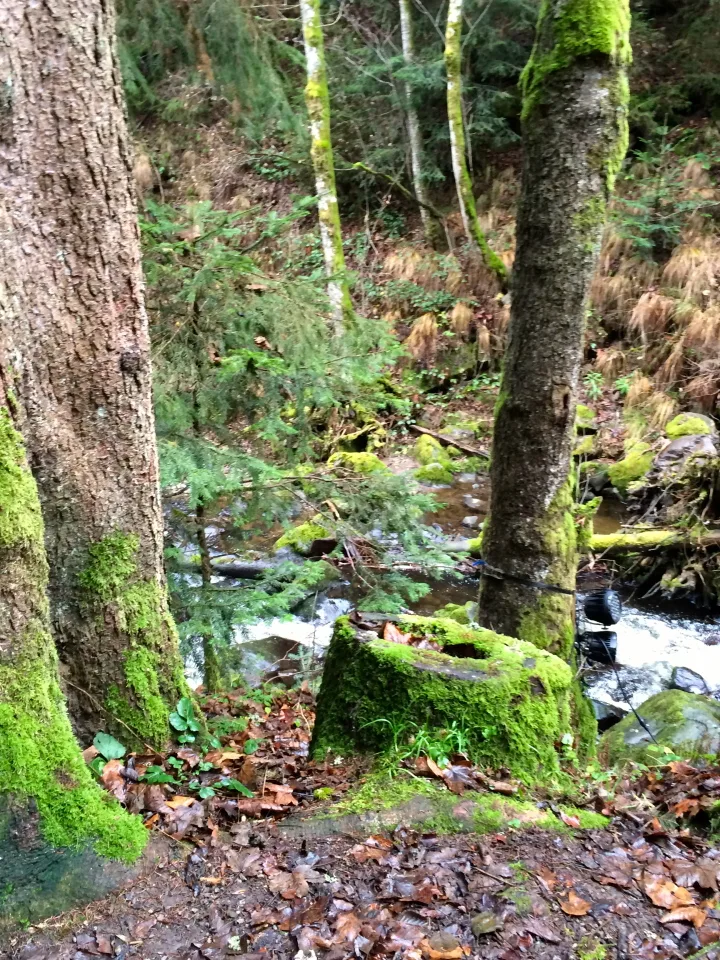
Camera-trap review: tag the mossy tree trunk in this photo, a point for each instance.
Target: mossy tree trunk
(575, 134)
(52, 814)
(317, 99)
(430, 226)
(463, 183)
(74, 322)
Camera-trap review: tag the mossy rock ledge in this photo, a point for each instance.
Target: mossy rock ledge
(511, 698)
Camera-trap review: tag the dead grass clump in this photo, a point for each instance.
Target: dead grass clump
(422, 341)
(671, 370)
(484, 344)
(614, 248)
(651, 315)
(610, 362)
(694, 268)
(704, 387)
(612, 295)
(143, 173)
(660, 409)
(480, 282)
(695, 175)
(640, 389)
(461, 320)
(703, 331)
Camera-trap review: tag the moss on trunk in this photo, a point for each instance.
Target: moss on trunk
(510, 698)
(46, 789)
(575, 134)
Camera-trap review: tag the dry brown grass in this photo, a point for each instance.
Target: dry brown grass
(610, 362)
(143, 172)
(694, 268)
(461, 320)
(640, 390)
(614, 248)
(696, 175)
(484, 343)
(703, 331)
(660, 409)
(671, 370)
(651, 315)
(422, 341)
(704, 387)
(610, 295)
(479, 281)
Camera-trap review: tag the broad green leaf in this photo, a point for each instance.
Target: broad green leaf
(109, 747)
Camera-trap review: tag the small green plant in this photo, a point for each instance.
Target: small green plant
(183, 720)
(622, 385)
(410, 741)
(593, 382)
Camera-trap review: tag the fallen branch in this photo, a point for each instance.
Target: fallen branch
(646, 540)
(450, 442)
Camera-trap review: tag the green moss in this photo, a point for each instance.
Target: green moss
(323, 793)
(300, 538)
(586, 447)
(511, 697)
(40, 761)
(584, 417)
(153, 673)
(460, 613)
(364, 463)
(632, 542)
(428, 450)
(434, 473)
(381, 792)
(632, 467)
(20, 518)
(581, 28)
(686, 425)
(591, 949)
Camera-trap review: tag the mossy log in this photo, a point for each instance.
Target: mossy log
(643, 541)
(511, 699)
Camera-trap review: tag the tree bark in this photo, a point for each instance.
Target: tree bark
(575, 132)
(416, 152)
(73, 318)
(463, 183)
(48, 799)
(317, 99)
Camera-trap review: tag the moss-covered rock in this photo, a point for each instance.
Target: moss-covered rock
(363, 463)
(585, 447)
(634, 466)
(461, 613)
(686, 724)
(301, 538)
(689, 424)
(429, 450)
(511, 698)
(434, 473)
(584, 419)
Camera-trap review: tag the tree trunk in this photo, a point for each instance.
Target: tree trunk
(318, 107)
(575, 131)
(463, 183)
(48, 799)
(416, 152)
(74, 320)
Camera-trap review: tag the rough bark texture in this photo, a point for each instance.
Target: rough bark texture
(463, 183)
(55, 822)
(575, 132)
(318, 107)
(74, 322)
(430, 227)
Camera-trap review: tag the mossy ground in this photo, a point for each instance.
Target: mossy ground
(634, 465)
(300, 538)
(512, 698)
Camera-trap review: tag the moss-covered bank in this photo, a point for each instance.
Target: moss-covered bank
(511, 698)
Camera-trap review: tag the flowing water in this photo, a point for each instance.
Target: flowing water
(652, 639)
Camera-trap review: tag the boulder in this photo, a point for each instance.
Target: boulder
(683, 678)
(472, 521)
(671, 462)
(635, 464)
(687, 724)
(474, 503)
(690, 424)
(511, 699)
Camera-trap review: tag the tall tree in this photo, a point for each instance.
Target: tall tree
(575, 133)
(47, 795)
(72, 312)
(458, 147)
(413, 124)
(317, 99)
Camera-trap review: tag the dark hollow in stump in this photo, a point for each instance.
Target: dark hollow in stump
(510, 698)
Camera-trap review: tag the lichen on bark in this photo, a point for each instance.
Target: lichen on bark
(317, 100)
(575, 133)
(458, 146)
(41, 768)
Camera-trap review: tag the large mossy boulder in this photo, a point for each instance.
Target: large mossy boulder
(511, 699)
(690, 424)
(635, 464)
(685, 723)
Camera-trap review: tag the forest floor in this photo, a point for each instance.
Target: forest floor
(225, 883)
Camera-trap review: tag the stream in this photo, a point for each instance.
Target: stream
(658, 646)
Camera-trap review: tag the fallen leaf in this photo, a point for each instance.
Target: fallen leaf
(693, 915)
(391, 632)
(179, 801)
(540, 929)
(348, 926)
(574, 906)
(547, 879)
(442, 946)
(664, 893)
(687, 807)
(89, 753)
(112, 779)
(568, 820)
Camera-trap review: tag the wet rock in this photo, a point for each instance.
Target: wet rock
(472, 522)
(474, 503)
(686, 723)
(466, 477)
(637, 683)
(671, 461)
(711, 640)
(683, 678)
